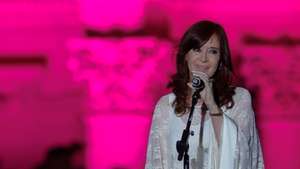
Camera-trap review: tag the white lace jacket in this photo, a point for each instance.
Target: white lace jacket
(167, 128)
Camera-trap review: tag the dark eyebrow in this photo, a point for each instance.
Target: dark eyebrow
(215, 48)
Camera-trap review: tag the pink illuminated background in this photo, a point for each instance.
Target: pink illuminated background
(91, 71)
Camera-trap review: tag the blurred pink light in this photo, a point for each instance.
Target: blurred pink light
(117, 141)
(106, 15)
(121, 73)
(281, 140)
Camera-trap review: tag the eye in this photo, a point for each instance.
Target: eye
(197, 50)
(213, 51)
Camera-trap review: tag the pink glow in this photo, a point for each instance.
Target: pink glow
(122, 79)
(114, 14)
(117, 141)
(280, 140)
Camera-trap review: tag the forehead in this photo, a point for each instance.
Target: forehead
(213, 42)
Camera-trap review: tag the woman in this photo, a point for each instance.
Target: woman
(229, 137)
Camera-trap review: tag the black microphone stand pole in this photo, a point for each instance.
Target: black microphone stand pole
(182, 145)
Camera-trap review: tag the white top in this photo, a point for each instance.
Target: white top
(239, 148)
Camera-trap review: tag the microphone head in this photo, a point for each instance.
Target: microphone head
(197, 83)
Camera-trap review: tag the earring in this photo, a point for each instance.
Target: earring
(221, 65)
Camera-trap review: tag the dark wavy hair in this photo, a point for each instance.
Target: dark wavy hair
(195, 37)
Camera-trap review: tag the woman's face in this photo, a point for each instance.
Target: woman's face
(206, 58)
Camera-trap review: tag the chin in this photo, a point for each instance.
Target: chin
(209, 74)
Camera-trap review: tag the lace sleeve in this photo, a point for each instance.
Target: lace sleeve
(255, 149)
(254, 144)
(156, 143)
(249, 128)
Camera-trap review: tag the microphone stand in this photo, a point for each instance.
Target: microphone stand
(182, 145)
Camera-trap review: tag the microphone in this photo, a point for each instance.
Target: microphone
(197, 83)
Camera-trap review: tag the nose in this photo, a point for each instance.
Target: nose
(203, 57)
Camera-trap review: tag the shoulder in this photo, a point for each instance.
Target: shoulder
(242, 95)
(242, 110)
(166, 100)
(162, 110)
(164, 104)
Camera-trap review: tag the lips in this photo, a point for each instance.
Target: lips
(201, 68)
